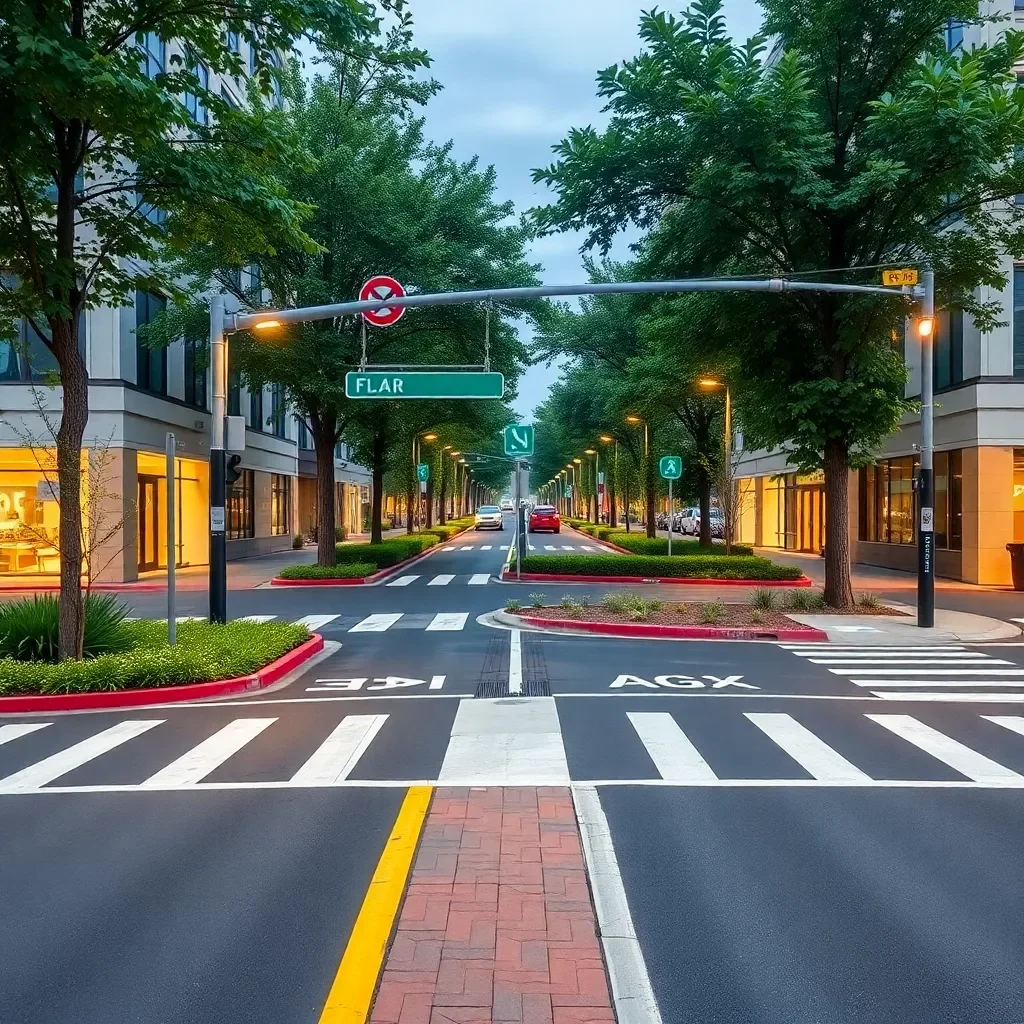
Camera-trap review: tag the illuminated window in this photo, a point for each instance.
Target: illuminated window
(150, 363)
(280, 504)
(29, 513)
(239, 511)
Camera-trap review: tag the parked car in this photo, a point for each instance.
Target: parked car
(717, 523)
(689, 521)
(544, 517)
(489, 516)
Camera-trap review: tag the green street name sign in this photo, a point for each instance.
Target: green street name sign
(671, 467)
(420, 384)
(518, 440)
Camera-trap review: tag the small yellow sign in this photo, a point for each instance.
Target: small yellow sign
(896, 278)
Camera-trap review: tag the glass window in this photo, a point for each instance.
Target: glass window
(280, 504)
(256, 408)
(150, 363)
(29, 513)
(153, 51)
(956, 490)
(278, 407)
(194, 101)
(1018, 495)
(255, 279)
(275, 82)
(949, 348)
(234, 41)
(229, 99)
(305, 437)
(234, 390)
(888, 500)
(954, 35)
(195, 373)
(240, 519)
(27, 356)
(1018, 320)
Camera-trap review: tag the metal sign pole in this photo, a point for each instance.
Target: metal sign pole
(926, 481)
(670, 515)
(218, 485)
(519, 525)
(172, 620)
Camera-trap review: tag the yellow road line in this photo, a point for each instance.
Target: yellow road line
(350, 997)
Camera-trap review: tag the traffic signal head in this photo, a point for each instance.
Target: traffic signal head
(231, 470)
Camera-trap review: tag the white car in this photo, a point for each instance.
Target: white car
(489, 517)
(506, 505)
(689, 521)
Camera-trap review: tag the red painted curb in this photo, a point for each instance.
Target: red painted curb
(692, 581)
(380, 574)
(266, 676)
(640, 629)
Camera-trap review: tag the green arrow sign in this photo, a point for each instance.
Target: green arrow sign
(518, 440)
(423, 472)
(421, 384)
(671, 467)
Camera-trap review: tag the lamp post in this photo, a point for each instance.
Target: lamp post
(711, 383)
(428, 436)
(571, 466)
(613, 489)
(561, 475)
(578, 464)
(593, 453)
(633, 420)
(926, 481)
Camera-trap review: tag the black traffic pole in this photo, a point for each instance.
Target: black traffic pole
(926, 479)
(218, 488)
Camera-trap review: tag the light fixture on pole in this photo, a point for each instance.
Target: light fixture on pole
(612, 494)
(592, 452)
(926, 480)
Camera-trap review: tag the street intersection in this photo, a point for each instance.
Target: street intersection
(805, 832)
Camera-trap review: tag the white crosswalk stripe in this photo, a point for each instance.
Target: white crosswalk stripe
(402, 581)
(478, 579)
(467, 547)
(487, 547)
(378, 623)
(451, 547)
(447, 622)
(442, 580)
(315, 622)
(494, 739)
(194, 766)
(550, 547)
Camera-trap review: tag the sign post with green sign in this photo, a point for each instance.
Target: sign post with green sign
(671, 468)
(423, 472)
(422, 384)
(518, 440)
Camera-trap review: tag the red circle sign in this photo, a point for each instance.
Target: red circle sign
(382, 287)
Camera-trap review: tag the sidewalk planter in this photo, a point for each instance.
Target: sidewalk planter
(807, 634)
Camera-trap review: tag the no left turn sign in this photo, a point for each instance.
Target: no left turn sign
(382, 287)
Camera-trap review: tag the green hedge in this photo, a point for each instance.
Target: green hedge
(203, 652)
(452, 527)
(349, 571)
(388, 553)
(737, 567)
(641, 544)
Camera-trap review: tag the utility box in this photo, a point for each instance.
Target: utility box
(234, 433)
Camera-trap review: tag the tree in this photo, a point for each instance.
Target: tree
(97, 138)
(860, 142)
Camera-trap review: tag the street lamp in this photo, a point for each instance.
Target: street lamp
(428, 436)
(608, 439)
(710, 383)
(633, 420)
(926, 483)
(593, 453)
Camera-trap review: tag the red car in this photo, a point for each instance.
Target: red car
(545, 517)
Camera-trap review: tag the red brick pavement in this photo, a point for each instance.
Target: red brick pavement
(497, 923)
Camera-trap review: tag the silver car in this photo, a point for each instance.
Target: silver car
(489, 517)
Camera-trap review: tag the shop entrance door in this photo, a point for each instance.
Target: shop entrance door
(149, 523)
(811, 519)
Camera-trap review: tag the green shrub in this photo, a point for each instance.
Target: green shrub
(537, 600)
(737, 567)
(806, 601)
(203, 652)
(712, 612)
(298, 541)
(513, 606)
(756, 616)
(29, 628)
(640, 544)
(390, 552)
(764, 599)
(339, 534)
(567, 601)
(867, 600)
(350, 571)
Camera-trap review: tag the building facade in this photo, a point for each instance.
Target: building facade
(137, 395)
(979, 443)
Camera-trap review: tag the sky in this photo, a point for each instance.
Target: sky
(517, 74)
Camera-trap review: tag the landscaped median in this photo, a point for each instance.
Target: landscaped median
(129, 662)
(358, 564)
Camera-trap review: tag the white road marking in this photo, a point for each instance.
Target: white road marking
(953, 658)
(814, 755)
(451, 547)
(487, 547)
(935, 682)
(447, 622)
(196, 764)
(550, 547)
(503, 742)
(630, 983)
(335, 758)
(515, 663)
(12, 732)
(467, 547)
(315, 622)
(1012, 722)
(586, 547)
(671, 750)
(962, 671)
(949, 751)
(567, 547)
(441, 581)
(376, 623)
(962, 698)
(403, 581)
(478, 579)
(436, 682)
(825, 647)
(64, 761)
(257, 618)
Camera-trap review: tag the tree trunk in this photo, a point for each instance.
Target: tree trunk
(704, 483)
(71, 614)
(838, 588)
(411, 496)
(324, 441)
(442, 496)
(430, 503)
(376, 516)
(625, 503)
(650, 499)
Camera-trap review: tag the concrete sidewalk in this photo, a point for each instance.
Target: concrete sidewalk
(899, 631)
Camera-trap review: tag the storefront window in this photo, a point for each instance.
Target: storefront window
(1018, 495)
(29, 517)
(280, 504)
(240, 516)
(773, 531)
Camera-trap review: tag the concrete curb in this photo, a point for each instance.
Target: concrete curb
(373, 578)
(114, 699)
(641, 630)
(692, 581)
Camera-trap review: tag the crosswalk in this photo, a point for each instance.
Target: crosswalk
(920, 673)
(476, 579)
(378, 622)
(871, 750)
(533, 547)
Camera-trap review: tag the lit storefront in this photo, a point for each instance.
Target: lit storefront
(785, 512)
(191, 512)
(29, 512)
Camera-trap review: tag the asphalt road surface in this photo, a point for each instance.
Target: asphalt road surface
(807, 834)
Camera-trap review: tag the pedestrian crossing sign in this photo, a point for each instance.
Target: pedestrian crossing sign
(671, 467)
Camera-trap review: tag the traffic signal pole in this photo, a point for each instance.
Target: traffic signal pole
(218, 538)
(926, 480)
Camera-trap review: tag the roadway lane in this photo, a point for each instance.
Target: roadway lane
(182, 907)
(825, 907)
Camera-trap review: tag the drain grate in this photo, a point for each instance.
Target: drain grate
(532, 688)
(493, 680)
